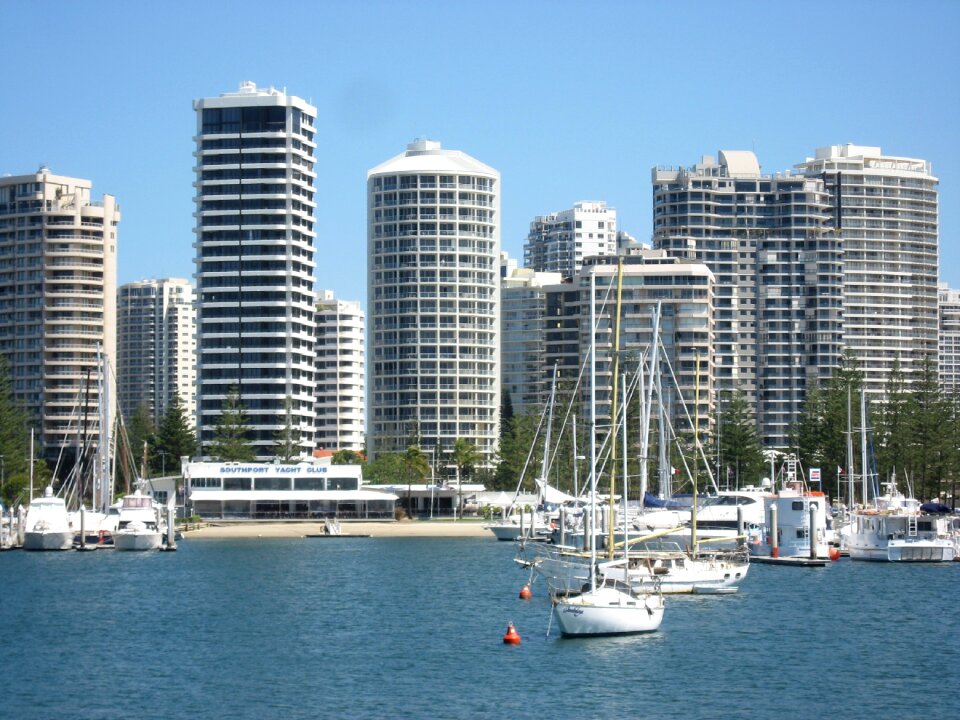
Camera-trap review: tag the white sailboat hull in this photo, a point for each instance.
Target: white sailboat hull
(609, 611)
(142, 540)
(48, 540)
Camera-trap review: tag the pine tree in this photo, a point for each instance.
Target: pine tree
(174, 439)
(288, 438)
(231, 441)
(742, 460)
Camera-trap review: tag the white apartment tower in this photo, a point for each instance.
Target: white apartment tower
(559, 242)
(58, 285)
(949, 339)
(778, 264)
(433, 247)
(255, 263)
(886, 211)
(523, 318)
(156, 347)
(684, 290)
(340, 374)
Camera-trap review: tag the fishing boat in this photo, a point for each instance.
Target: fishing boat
(896, 530)
(48, 525)
(138, 527)
(604, 607)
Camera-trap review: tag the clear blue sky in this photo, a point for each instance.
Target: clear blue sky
(568, 100)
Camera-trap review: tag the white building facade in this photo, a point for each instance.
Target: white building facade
(886, 210)
(769, 239)
(433, 247)
(255, 263)
(949, 339)
(560, 241)
(58, 290)
(340, 374)
(156, 347)
(523, 318)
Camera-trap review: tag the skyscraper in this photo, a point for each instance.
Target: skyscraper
(341, 392)
(433, 246)
(949, 339)
(58, 284)
(560, 241)
(778, 265)
(255, 263)
(886, 210)
(523, 328)
(156, 347)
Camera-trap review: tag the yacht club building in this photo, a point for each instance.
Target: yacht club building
(269, 491)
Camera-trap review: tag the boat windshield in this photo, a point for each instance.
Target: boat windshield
(137, 502)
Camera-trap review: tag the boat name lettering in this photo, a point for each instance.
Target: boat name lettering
(572, 610)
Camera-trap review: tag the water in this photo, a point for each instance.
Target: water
(412, 628)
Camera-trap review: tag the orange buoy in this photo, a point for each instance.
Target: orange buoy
(834, 554)
(512, 637)
(525, 593)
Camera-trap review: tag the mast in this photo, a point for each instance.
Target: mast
(546, 445)
(623, 436)
(646, 393)
(613, 409)
(696, 449)
(666, 471)
(576, 490)
(593, 430)
(863, 444)
(850, 498)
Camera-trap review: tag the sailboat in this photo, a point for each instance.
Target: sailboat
(605, 607)
(518, 525)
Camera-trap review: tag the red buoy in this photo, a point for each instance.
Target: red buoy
(511, 638)
(525, 593)
(834, 554)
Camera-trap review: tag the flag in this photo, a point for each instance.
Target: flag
(840, 471)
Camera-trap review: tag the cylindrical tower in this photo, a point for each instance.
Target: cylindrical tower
(433, 246)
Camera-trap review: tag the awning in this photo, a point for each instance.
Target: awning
(288, 495)
(552, 495)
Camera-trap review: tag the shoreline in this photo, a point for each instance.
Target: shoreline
(399, 528)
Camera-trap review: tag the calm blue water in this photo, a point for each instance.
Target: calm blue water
(312, 628)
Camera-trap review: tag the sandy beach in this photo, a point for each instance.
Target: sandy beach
(404, 528)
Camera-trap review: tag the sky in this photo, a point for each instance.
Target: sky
(570, 101)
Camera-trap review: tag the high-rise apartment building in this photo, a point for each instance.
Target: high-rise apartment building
(684, 290)
(523, 318)
(886, 209)
(255, 263)
(156, 347)
(779, 284)
(559, 242)
(949, 339)
(58, 275)
(433, 246)
(340, 374)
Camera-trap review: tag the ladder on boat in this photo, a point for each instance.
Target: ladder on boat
(911, 525)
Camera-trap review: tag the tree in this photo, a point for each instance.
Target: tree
(740, 452)
(416, 468)
(15, 444)
(346, 457)
(174, 439)
(465, 457)
(288, 438)
(231, 441)
(385, 469)
(141, 429)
